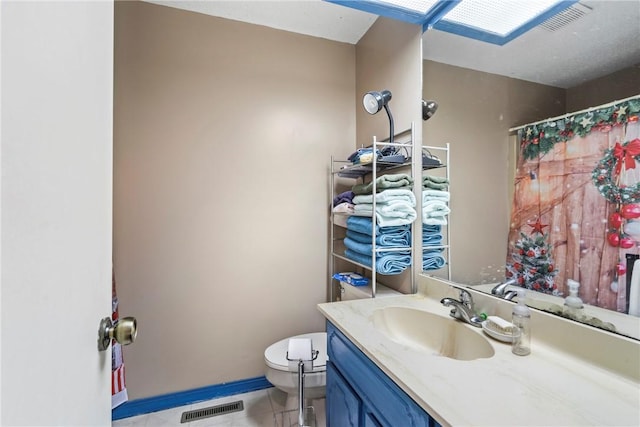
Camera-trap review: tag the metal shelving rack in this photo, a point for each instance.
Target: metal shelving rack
(346, 170)
(446, 247)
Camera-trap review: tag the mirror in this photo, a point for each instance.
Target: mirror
(484, 90)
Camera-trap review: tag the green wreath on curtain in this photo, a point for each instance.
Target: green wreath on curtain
(608, 169)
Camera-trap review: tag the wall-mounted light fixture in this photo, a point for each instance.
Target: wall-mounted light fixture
(374, 101)
(429, 108)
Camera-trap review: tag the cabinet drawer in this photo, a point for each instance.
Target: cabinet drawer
(391, 405)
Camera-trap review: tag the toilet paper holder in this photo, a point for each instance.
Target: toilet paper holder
(306, 416)
(314, 354)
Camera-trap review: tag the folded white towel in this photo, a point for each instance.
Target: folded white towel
(389, 214)
(387, 196)
(434, 212)
(428, 195)
(344, 207)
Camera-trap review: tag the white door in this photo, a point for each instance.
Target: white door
(57, 84)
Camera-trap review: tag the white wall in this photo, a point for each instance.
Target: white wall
(57, 80)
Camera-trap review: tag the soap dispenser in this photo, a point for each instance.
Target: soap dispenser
(521, 319)
(572, 303)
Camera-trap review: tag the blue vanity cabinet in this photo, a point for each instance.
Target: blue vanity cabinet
(360, 394)
(342, 403)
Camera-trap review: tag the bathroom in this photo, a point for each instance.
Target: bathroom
(218, 189)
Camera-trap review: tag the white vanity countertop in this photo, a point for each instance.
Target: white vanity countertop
(546, 388)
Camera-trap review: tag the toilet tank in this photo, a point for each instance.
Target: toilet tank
(350, 292)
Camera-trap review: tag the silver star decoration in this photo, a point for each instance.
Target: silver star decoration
(529, 132)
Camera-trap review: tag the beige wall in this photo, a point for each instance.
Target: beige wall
(475, 111)
(223, 133)
(619, 85)
(389, 56)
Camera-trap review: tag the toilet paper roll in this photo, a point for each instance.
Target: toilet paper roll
(300, 349)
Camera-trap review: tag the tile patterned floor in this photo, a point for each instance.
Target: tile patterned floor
(261, 409)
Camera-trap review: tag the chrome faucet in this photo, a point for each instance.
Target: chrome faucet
(463, 309)
(501, 289)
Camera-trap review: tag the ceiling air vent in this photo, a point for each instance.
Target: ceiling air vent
(570, 14)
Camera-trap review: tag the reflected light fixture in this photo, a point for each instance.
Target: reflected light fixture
(374, 101)
(429, 108)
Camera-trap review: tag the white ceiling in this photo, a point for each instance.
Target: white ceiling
(598, 43)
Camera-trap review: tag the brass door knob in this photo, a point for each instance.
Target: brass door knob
(124, 331)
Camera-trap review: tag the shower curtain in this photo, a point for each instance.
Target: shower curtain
(576, 206)
(118, 387)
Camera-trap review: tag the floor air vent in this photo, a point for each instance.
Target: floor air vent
(212, 411)
(570, 14)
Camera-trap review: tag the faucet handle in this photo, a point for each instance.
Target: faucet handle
(466, 298)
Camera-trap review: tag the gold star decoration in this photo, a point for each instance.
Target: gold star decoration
(529, 132)
(538, 227)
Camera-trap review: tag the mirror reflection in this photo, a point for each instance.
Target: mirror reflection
(527, 205)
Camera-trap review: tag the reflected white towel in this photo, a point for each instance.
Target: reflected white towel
(344, 207)
(634, 291)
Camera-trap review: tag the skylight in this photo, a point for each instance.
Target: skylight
(493, 21)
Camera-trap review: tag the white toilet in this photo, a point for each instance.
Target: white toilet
(278, 373)
(315, 381)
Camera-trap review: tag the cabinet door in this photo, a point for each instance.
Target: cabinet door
(343, 405)
(370, 420)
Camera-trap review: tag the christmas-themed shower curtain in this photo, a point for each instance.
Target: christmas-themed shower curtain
(576, 206)
(118, 388)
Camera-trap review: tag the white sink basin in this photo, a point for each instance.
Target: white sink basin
(432, 333)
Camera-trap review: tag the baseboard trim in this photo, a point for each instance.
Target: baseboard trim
(187, 397)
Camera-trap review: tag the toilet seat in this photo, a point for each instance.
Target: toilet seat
(275, 356)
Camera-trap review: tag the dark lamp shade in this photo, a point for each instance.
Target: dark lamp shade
(374, 101)
(429, 108)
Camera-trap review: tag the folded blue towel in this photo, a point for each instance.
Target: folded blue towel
(401, 238)
(363, 224)
(363, 248)
(347, 196)
(431, 229)
(433, 260)
(386, 262)
(431, 239)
